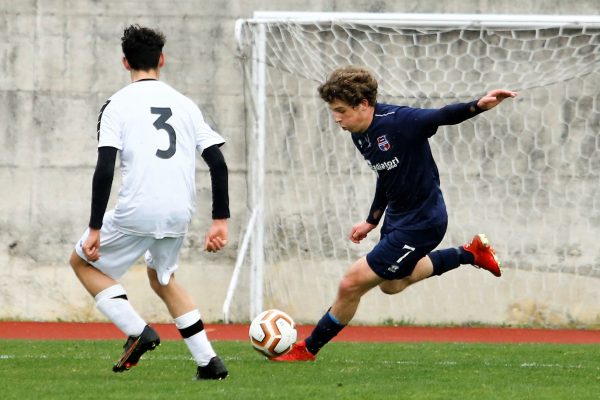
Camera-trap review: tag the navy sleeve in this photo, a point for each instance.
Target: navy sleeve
(452, 114)
(219, 181)
(378, 206)
(101, 184)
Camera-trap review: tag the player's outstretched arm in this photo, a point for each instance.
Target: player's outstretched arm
(495, 97)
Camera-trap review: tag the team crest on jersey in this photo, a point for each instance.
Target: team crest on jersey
(383, 144)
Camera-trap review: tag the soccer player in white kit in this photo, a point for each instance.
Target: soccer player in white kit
(157, 131)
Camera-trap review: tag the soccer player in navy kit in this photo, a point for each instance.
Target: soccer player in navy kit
(157, 132)
(394, 142)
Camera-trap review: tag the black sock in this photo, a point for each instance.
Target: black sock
(327, 328)
(465, 256)
(449, 259)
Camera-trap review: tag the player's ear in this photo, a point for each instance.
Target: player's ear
(364, 104)
(161, 60)
(126, 64)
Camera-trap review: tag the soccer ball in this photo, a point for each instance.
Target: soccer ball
(273, 333)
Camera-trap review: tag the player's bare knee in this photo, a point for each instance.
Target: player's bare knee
(155, 286)
(76, 262)
(348, 288)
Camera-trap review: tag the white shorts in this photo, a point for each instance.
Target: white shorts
(119, 251)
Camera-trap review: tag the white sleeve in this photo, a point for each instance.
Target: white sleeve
(109, 130)
(205, 135)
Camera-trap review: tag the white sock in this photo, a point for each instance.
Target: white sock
(120, 311)
(198, 343)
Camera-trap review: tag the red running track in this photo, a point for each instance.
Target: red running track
(78, 331)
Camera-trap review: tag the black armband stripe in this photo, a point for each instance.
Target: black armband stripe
(192, 329)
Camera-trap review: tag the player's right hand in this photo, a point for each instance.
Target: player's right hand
(217, 236)
(360, 231)
(91, 246)
(495, 97)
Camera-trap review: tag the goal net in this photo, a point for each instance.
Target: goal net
(525, 173)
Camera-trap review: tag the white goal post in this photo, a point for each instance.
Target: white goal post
(527, 173)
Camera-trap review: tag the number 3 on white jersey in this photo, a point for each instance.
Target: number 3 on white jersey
(161, 123)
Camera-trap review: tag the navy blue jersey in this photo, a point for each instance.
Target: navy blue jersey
(396, 147)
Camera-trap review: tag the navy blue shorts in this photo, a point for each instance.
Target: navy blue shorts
(398, 251)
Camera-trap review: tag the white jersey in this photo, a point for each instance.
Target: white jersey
(157, 130)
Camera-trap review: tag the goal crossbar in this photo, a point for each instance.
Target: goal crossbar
(434, 20)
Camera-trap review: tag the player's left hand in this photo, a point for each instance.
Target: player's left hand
(493, 98)
(217, 236)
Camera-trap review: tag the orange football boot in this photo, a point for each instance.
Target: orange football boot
(298, 352)
(484, 254)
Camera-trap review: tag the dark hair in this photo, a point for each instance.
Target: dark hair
(142, 47)
(351, 85)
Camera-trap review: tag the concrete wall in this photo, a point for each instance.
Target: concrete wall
(59, 61)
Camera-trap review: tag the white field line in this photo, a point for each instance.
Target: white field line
(532, 364)
(446, 363)
(84, 357)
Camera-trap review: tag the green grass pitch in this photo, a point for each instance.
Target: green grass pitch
(82, 370)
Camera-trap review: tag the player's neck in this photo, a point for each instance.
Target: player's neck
(138, 75)
(367, 120)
